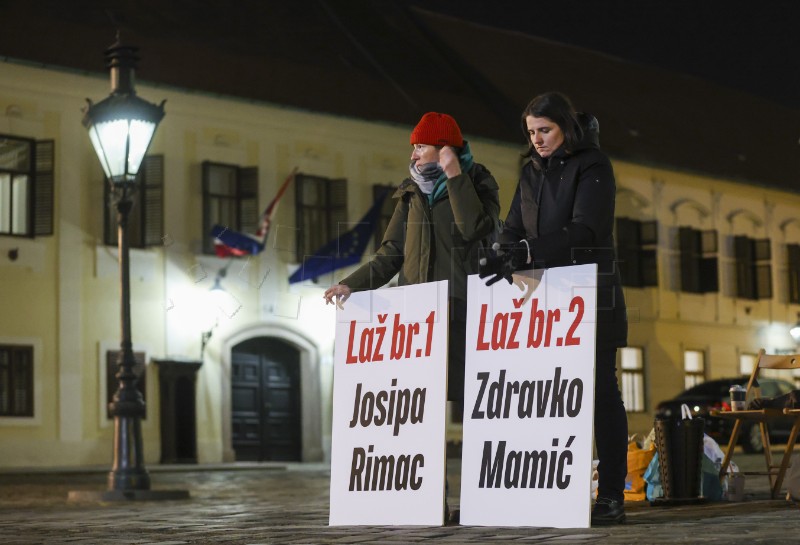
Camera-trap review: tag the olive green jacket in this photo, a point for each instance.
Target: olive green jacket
(441, 242)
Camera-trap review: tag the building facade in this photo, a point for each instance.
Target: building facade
(710, 265)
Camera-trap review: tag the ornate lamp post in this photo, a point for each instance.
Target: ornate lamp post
(121, 128)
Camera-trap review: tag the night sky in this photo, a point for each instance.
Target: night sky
(750, 46)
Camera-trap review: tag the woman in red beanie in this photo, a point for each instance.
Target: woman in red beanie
(445, 209)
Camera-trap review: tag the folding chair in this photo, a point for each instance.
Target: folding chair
(775, 472)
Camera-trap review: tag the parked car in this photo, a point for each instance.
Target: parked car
(714, 394)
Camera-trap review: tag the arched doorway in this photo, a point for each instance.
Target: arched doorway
(266, 404)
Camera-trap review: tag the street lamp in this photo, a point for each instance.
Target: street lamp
(795, 330)
(218, 302)
(215, 294)
(121, 128)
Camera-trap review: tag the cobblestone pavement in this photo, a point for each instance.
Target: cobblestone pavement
(272, 503)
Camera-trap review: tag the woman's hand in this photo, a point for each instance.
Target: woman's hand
(448, 160)
(340, 291)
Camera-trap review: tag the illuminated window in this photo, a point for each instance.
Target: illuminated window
(694, 368)
(632, 365)
(746, 363)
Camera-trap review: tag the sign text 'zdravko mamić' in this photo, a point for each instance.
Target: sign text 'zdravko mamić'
(529, 400)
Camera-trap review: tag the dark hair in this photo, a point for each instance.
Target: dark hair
(558, 108)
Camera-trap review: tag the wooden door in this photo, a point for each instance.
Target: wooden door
(265, 412)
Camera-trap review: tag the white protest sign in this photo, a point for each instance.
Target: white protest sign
(389, 402)
(529, 400)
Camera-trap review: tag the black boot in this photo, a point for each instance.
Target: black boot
(607, 511)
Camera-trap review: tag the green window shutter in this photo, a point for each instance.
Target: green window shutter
(43, 188)
(152, 199)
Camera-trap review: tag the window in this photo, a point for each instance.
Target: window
(793, 262)
(694, 367)
(387, 209)
(26, 186)
(321, 212)
(112, 383)
(753, 268)
(632, 365)
(16, 380)
(230, 199)
(636, 252)
(746, 363)
(698, 260)
(146, 220)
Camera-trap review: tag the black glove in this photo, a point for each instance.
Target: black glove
(507, 259)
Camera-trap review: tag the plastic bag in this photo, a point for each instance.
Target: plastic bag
(638, 461)
(652, 476)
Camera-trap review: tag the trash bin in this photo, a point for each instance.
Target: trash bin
(680, 456)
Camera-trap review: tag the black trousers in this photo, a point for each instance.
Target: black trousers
(610, 428)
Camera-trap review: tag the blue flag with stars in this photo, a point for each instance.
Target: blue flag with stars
(343, 251)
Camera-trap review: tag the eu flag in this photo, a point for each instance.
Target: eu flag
(343, 251)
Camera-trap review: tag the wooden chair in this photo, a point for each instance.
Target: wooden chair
(775, 471)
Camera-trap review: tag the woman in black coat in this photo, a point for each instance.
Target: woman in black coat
(563, 214)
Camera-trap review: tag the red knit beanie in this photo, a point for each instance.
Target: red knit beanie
(435, 129)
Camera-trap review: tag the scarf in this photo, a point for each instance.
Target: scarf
(432, 180)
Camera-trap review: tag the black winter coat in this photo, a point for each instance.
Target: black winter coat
(564, 207)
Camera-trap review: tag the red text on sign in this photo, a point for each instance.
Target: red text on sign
(503, 332)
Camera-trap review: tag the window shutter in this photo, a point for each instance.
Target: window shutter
(109, 217)
(743, 254)
(689, 246)
(628, 252)
(793, 262)
(152, 199)
(387, 210)
(43, 188)
(337, 195)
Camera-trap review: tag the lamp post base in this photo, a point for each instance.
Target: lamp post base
(126, 495)
(131, 478)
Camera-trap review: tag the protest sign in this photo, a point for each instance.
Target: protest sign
(529, 399)
(389, 402)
